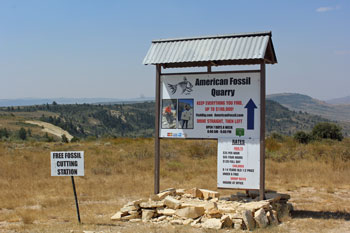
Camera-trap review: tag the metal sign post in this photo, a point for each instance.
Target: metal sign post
(76, 199)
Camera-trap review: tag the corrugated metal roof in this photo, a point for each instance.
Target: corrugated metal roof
(249, 48)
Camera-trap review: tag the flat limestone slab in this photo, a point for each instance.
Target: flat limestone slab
(190, 212)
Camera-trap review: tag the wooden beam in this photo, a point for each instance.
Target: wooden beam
(209, 68)
(156, 134)
(212, 63)
(262, 130)
(216, 72)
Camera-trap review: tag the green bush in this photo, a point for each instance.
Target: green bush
(327, 130)
(74, 139)
(302, 137)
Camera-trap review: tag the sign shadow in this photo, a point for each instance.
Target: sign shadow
(320, 214)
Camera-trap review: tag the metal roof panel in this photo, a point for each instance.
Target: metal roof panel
(210, 49)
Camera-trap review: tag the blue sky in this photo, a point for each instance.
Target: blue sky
(82, 48)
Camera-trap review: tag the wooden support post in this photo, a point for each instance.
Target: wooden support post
(262, 130)
(209, 68)
(156, 134)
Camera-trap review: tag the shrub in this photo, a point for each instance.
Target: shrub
(302, 137)
(90, 138)
(328, 130)
(278, 137)
(74, 139)
(22, 134)
(272, 144)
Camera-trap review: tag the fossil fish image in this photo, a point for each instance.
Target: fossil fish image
(185, 86)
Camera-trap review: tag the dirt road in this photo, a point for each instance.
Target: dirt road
(50, 128)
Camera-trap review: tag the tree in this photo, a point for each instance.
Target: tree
(328, 130)
(48, 138)
(29, 132)
(22, 134)
(64, 138)
(4, 133)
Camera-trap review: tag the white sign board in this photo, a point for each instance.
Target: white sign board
(221, 105)
(67, 163)
(238, 163)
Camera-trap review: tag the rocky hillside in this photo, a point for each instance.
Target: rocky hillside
(310, 105)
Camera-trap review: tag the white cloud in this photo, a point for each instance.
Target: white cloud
(324, 9)
(327, 8)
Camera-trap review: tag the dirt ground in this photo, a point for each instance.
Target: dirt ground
(314, 211)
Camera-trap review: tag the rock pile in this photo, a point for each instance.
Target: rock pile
(204, 208)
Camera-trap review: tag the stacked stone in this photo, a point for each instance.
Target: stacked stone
(203, 208)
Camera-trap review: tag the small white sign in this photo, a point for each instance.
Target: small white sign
(67, 163)
(238, 163)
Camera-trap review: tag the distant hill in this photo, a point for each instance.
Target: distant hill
(137, 119)
(282, 120)
(39, 101)
(304, 103)
(343, 100)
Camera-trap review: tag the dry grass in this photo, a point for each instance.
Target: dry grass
(323, 164)
(120, 170)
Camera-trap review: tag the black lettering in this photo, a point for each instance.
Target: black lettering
(240, 81)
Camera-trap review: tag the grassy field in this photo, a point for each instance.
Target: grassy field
(317, 176)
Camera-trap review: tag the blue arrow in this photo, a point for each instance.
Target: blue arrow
(250, 106)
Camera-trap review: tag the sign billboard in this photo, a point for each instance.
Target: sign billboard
(67, 163)
(216, 105)
(238, 163)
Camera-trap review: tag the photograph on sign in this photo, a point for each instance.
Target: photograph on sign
(238, 163)
(216, 105)
(169, 110)
(185, 114)
(67, 163)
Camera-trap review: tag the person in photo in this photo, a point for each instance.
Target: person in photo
(168, 114)
(186, 116)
